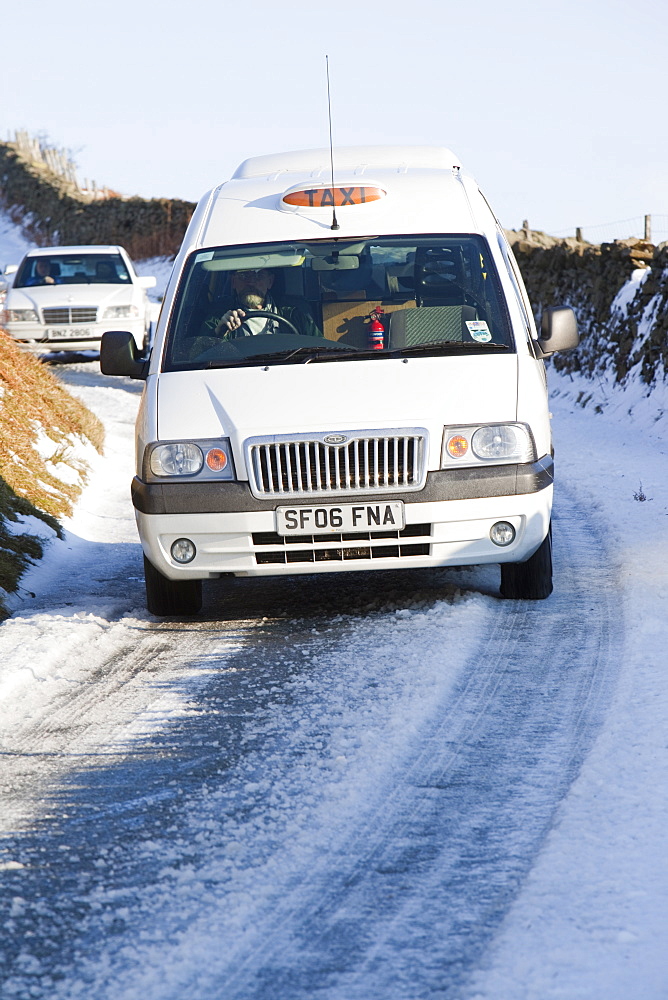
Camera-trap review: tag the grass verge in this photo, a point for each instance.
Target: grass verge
(44, 432)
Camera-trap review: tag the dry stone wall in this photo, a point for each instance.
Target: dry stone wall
(619, 292)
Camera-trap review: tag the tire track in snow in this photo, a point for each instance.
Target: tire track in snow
(84, 714)
(404, 909)
(404, 897)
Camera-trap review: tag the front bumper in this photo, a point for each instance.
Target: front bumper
(38, 337)
(447, 524)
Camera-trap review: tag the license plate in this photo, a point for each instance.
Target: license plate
(71, 333)
(344, 517)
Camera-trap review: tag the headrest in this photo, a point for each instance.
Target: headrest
(105, 268)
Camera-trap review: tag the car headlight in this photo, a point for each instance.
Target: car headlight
(120, 312)
(490, 444)
(21, 316)
(175, 459)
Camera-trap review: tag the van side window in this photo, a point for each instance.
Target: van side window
(513, 272)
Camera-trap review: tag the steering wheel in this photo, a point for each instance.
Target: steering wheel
(252, 313)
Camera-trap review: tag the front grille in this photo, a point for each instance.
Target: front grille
(61, 316)
(341, 555)
(56, 317)
(366, 463)
(84, 314)
(284, 550)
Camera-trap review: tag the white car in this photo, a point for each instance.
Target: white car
(65, 298)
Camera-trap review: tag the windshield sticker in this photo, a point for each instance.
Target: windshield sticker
(479, 330)
(208, 255)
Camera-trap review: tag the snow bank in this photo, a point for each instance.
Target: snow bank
(591, 920)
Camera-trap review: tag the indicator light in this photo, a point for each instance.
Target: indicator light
(216, 459)
(457, 446)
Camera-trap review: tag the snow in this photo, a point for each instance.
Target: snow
(35, 647)
(308, 724)
(160, 268)
(628, 291)
(591, 919)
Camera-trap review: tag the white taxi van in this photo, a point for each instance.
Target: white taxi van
(65, 298)
(345, 376)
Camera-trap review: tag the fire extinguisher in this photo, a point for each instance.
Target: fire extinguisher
(376, 330)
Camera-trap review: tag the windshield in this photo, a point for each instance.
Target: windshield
(73, 269)
(327, 301)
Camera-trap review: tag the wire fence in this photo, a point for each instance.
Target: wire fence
(654, 228)
(37, 149)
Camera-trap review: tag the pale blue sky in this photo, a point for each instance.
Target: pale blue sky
(559, 110)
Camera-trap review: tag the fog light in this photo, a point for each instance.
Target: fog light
(183, 550)
(502, 533)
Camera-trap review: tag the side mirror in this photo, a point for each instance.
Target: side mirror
(118, 355)
(558, 329)
(147, 282)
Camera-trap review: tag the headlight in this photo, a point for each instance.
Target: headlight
(493, 444)
(120, 312)
(21, 316)
(206, 459)
(178, 459)
(509, 442)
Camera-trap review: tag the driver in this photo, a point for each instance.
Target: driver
(251, 291)
(42, 274)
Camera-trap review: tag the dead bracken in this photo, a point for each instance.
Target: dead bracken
(33, 404)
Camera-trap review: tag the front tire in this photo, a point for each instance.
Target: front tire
(530, 580)
(171, 597)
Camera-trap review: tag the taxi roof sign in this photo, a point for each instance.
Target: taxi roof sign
(326, 196)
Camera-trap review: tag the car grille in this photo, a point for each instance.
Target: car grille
(60, 316)
(275, 549)
(365, 463)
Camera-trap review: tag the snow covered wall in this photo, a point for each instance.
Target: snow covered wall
(619, 292)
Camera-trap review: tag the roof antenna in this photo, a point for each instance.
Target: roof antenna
(335, 224)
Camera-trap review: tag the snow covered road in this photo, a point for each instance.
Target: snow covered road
(376, 786)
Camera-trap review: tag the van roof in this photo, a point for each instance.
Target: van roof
(423, 190)
(356, 159)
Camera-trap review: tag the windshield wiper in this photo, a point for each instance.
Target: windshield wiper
(451, 345)
(317, 353)
(298, 352)
(311, 351)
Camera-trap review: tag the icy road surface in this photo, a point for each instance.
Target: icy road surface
(365, 787)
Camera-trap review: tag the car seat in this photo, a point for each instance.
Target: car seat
(105, 271)
(441, 312)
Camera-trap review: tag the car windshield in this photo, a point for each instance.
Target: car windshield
(332, 300)
(73, 269)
